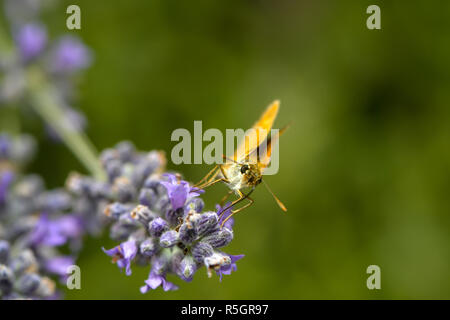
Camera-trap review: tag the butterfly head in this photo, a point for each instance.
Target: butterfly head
(251, 174)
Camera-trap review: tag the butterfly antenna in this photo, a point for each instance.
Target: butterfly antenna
(282, 130)
(275, 197)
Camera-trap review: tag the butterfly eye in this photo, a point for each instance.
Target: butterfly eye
(244, 169)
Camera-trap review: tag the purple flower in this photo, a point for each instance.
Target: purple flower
(123, 255)
(70, 55)
(59, 265)
(230, 222)
(227, 269)
(31, 40)
(179, 191)
(155, 280)
(55, 232)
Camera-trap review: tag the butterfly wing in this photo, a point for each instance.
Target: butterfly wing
(253, 139)
(264, 151)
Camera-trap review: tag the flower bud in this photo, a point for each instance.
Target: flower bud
(207, 223)
(147, 197)
(201, 250)
(4, 251)
(123, 189)
(142, 214)
(28, 283)
(125, 150)
(195, 204)
(46, 287)
(220, 238)
(56, 200)
(187, 233)
(169, 239)
(113, 169)
(157, 226)
(25, 261)
(148, 247)
(187, 268)
(115, 210)
(122, 229)
(174, 216)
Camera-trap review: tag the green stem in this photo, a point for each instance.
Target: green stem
(45, 101)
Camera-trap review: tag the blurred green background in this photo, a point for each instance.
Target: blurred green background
(364, 168)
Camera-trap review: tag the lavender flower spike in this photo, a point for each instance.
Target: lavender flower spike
(162, 221)
(33, 223)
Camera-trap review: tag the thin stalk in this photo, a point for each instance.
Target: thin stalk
(46, 102)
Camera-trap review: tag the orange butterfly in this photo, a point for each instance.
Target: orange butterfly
(250, 160)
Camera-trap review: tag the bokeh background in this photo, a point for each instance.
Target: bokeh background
(365, 166)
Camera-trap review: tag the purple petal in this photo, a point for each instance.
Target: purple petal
(46, 233)
(129, 249)
(178, 196)
(172, 178)
(70, 225)
(227, 269)
(168, 286)
(31, 40)
(144, 289)
(112, 252)
(59, 265)
(70, 55)
(154, 281)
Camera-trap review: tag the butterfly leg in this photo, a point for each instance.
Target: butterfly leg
(212, 180)
(208, 184)
(241, 197)
(205, 178)
(229, 193)
(240, 209)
